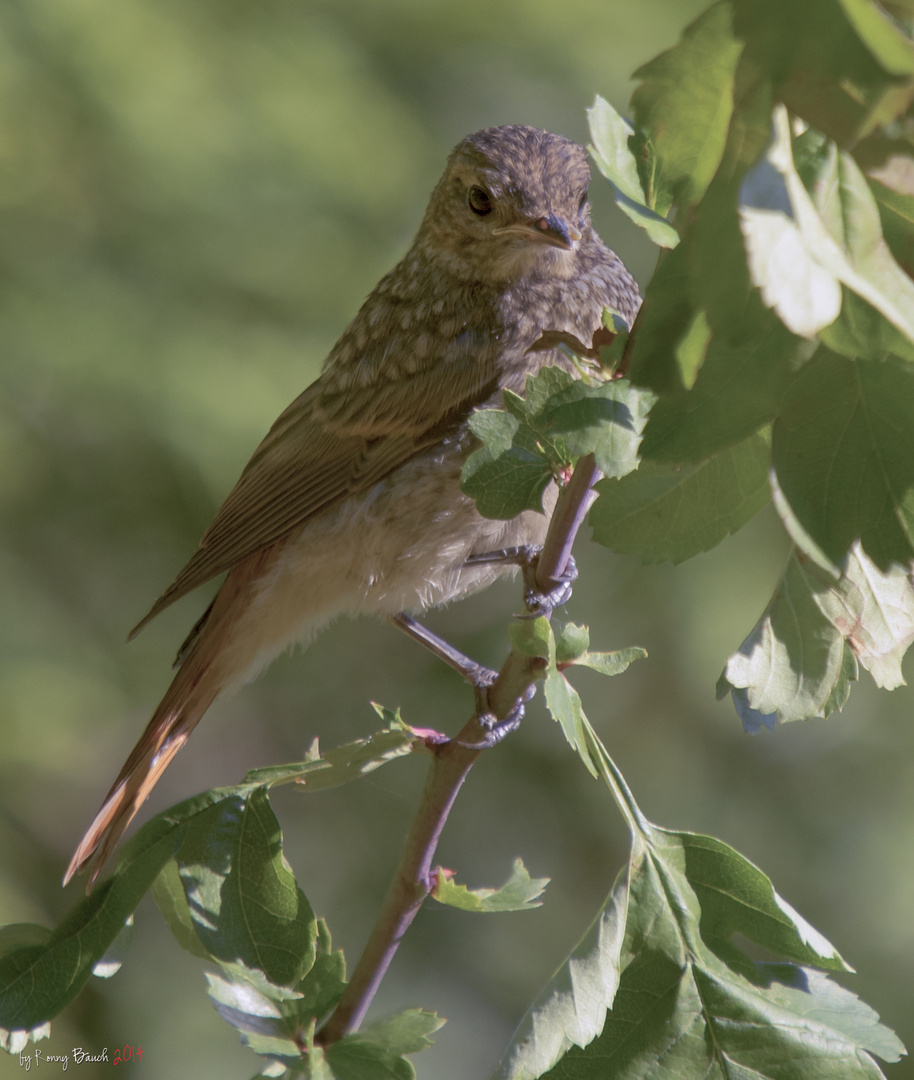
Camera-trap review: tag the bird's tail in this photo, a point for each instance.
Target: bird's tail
(191, 693)
(206, 667)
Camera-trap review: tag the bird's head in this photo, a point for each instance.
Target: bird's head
(512, 202)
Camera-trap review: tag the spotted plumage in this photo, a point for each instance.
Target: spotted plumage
(352, 502)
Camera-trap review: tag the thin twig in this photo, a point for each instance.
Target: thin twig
(571, 507)
(452, 761)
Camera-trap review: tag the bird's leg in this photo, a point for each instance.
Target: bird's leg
(537, 601)
(478, 676)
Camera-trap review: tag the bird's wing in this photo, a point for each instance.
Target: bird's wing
(331, 443)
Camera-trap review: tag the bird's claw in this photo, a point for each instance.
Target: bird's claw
(538, 602)
(527, 557)
(496, 729)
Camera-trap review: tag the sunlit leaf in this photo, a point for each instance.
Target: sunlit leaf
(791, 662)
(685, 99)
(874, 612)
(571, 1009)
(610, 150)
(802, 249)
(243, 899)
(661, 985)
(518, 893)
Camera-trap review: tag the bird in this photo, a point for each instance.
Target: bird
(352, 502)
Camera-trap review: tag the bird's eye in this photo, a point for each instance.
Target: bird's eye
(479, 201)
(583, 203)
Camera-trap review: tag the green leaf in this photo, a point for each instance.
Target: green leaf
(843, 452)
(495, 427)
(801, 250)
(559, 419)
(323, 983)
(610, 149)
(664, 320)
(42, 971)
(735, 897)
(405, 1033)
(826, 69)
(261, 1021)
(243, 899)
(605, 420)
(611, 663)
(168, 892)
(873, 612)
(896, 211)
(571, 643)
(613, 156)
(885, 41)
(571, 1008)
(738, 391)
(793, 659)
(685, 101)
(376, 1051)
(689, 1005)
(505, 483)
(343, 764)
(282, 1025)
(692, 348)
(684, 998)
(860, 331)
(720, 280)
(564, 705)
(519, 893)
(674, 512)
(571, 649)
(540, 389)
(110, 963)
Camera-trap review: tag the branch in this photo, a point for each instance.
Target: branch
(452, 761)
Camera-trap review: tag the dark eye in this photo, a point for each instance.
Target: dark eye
(583, 203)
(479, 201)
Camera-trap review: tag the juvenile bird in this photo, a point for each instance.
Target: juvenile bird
(352, 502)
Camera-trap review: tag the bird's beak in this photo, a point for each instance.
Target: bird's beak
(550, 229)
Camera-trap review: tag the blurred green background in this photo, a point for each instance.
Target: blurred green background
(195, 197)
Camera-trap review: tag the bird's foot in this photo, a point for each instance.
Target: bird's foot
(496, 729)
(536, 601)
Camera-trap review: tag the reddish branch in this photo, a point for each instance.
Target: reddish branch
(451, 763)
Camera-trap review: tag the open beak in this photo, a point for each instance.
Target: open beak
(550, 229)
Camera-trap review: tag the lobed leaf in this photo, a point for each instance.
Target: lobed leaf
(519, 893)
(738, 390)
(559, 420)
(873, 612)
(677, 511)
(843, 454)
(802, 249)
(791, 663)
(611, 151)
(685, 101)
(661, 987)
